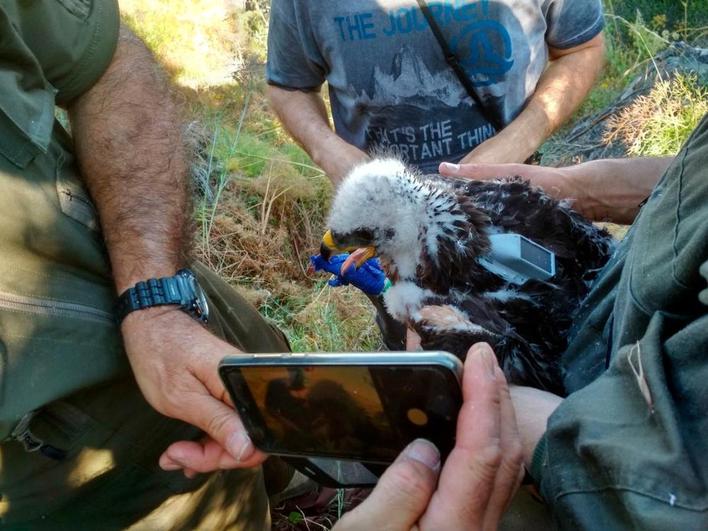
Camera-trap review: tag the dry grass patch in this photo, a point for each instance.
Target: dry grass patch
(657, 124)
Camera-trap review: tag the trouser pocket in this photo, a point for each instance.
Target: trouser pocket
(57, 324)
(74, 199)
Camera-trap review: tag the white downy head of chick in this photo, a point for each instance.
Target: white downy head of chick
(385, 206)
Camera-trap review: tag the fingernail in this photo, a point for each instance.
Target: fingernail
(486, 355)
(451, 167)
(425, 452)
(167, 463)
(240, 446)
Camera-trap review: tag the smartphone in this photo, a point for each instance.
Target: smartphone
(341, 418)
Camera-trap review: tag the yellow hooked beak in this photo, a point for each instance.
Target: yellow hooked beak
(328, 241)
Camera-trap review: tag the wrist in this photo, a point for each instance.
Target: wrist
(148, 316)
(335, 156)
(528, 131)
(591, 199)
(137, 261)
(533, 407)
(126, 281)
(513, 144)
(178, 291)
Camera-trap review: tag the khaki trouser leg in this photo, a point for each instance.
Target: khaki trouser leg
(110, 478)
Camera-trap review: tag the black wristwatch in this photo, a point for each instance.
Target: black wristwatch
(182, 290)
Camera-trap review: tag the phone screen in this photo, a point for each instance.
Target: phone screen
(366, 413)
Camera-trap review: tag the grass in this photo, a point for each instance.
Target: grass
(657, 124)
(635, 32)
(260, 200)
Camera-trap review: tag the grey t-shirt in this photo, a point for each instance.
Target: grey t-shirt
(390, 86)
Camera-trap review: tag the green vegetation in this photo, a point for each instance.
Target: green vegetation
(635, 32)
(260, 200)
(657, 124)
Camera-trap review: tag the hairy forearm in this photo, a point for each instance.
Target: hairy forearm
(559, 92)
(613, 189)
(304, 116)
(128, 138)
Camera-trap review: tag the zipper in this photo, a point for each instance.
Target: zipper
(31, 443)
(78, 207)
(20, 303)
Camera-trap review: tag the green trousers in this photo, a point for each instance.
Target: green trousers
(81, 445)
(627, 449)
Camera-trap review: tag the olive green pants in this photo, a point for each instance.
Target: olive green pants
(85, 455)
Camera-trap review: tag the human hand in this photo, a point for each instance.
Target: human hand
(556, 182)
(480, 475)
(369, 277)
(175, 361)
(412, 340)
(510, 145)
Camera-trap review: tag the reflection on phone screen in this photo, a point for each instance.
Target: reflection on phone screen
(323, 410)
(356, 412)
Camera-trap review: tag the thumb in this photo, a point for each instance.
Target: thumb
(223, 425)
(401, 495)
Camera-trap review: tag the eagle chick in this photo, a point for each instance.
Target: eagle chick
(430, 233)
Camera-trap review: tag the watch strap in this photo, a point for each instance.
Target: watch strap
(152, 292)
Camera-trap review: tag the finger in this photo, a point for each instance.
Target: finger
(204, 456)
(481, 170)
(510, 473)
(412, 340)
(402, 493)
(167, 463)
(467, 480)
(223, 425)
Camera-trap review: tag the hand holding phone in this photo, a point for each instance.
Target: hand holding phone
(343, 417)
(481, 475)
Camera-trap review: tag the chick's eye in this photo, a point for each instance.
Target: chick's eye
(389, 234)
(363, 235)
(336, 237)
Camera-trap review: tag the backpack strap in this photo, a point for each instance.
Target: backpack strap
(454, 63)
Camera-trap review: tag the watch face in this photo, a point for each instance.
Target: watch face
(199, 305)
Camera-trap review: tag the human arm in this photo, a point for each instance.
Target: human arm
(304, 116)
(128, 140)
(479, 477)
(561, 89)
(622, 457)
(296, 71)
(601, 190)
